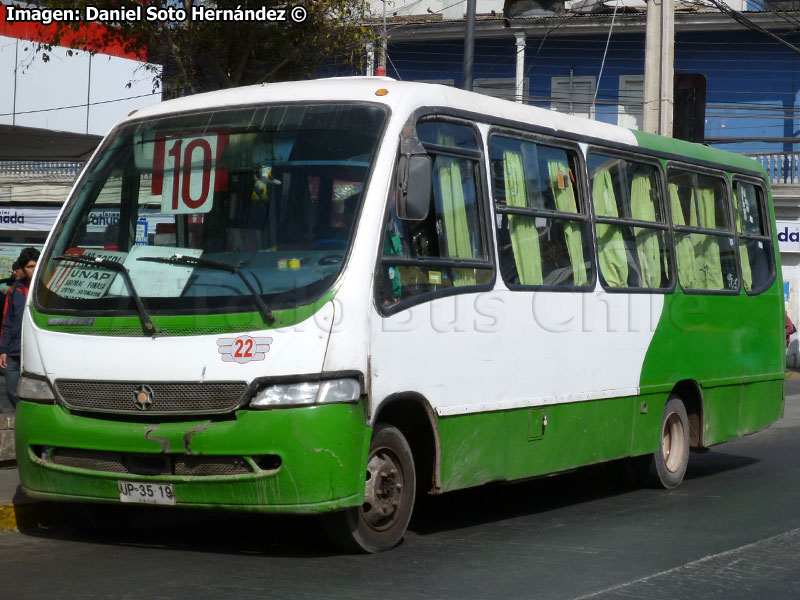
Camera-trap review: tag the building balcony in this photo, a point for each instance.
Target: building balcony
(783, 170)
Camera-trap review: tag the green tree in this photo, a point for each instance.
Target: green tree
(200, 55)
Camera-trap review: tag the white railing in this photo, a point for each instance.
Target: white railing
(42, 171)
(782, 167)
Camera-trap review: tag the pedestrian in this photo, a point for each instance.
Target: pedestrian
(790, 329)
(11, 335)
(16, 274)
(5, 285)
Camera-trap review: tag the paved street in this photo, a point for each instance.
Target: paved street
(732, 530)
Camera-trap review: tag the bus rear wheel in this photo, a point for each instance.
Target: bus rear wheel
(381, 521)
(666, 467)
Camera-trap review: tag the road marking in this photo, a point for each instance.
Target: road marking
(731, 557)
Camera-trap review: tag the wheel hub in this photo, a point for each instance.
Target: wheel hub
(672, 443)
(384, 490)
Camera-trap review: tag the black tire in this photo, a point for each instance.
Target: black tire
(380, 523)
(666, 467)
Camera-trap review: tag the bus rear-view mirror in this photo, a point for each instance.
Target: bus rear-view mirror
(414, 195)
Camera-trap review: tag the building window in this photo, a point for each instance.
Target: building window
(631, 98)
(448, 82)
(501, 87)
(573, 95)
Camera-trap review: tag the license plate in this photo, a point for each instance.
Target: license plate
(139, 492)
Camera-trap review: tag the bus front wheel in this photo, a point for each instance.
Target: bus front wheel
(666, 467)
(381, 521)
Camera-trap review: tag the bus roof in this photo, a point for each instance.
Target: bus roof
(405, 97)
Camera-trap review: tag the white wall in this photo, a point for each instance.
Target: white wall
(443, 7)
(448, 11)
(77, 93)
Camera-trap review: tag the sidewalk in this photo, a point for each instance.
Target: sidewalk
(6, 426)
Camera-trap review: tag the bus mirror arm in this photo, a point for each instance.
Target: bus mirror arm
(414, 187)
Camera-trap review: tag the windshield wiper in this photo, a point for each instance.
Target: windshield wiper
(192, 261)
(147, 325)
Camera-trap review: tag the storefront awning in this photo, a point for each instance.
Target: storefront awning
(28, 143)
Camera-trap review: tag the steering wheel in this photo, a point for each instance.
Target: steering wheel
(329, 242)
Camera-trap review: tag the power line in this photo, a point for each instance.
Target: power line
(740, 18)
(42, 110)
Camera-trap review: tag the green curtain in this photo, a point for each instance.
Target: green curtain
(524, 235)
(454, 212)
(744, 257)
(707, 251)
(564, 195)
(647, 247)
(610, 245)
(684, 250)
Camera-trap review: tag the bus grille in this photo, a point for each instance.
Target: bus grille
(149, 464)
(167, 398)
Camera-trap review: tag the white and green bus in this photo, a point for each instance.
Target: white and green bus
(330, 296)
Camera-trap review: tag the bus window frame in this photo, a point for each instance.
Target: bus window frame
(478, 158)
(585, 210)
(666, 225)
(730, 233)
(767, 221)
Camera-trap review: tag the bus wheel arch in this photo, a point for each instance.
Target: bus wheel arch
(413, 416)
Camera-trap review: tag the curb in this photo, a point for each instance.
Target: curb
(19, 517)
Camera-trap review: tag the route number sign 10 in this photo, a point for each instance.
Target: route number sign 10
(185, 172)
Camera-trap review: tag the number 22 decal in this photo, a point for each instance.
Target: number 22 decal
(243, 349)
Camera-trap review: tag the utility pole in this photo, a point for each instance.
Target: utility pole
(659, 72)
(469, 46)
(519, 80)
(380, 71)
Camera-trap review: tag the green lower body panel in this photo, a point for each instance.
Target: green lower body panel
(515, 444)
(301, 460)
(736, 410)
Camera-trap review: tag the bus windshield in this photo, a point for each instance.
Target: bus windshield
(207, 210)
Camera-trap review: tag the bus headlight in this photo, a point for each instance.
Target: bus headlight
(35, 390)
(306, 393)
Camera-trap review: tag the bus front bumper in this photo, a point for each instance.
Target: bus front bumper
(299, 460)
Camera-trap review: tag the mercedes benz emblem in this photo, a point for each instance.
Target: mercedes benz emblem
(143, 397)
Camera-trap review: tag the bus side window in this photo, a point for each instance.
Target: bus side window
(704, 245)
(543, 228)
(755, 246)
(630, 224)
(421, 257)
